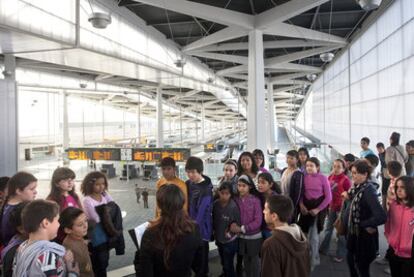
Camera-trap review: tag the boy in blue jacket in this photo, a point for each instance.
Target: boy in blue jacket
(200, 202)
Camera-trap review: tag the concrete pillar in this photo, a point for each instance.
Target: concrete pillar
(256, 137)
(271, 118)
(65, 125)
(203, 123)
(139, 118)
(160, 126)
(103, 120)
(196, 129)
(9, 138)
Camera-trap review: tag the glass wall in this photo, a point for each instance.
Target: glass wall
(368, 90)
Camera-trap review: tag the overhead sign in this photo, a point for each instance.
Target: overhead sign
(128, 154)
(209, 147)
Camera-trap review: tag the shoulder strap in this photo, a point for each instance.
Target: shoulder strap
(401, 154)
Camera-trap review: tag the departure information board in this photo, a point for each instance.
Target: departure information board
(128, 154)
(209, 147)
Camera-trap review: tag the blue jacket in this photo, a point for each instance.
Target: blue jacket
(200, 205)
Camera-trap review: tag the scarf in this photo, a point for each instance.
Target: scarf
(355, 193)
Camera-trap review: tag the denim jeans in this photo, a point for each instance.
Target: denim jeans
(313, 238)
(227, 251)
(329, 228)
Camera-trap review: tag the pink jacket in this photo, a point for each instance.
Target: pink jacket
(399, 229)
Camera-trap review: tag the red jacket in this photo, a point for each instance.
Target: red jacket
(339, 184)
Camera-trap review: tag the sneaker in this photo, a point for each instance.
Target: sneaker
(338, 260)
(387, 270)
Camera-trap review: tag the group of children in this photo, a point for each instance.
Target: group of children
(62, 235)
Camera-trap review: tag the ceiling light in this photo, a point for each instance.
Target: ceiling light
(369, 5)
(100, 20)
(210, 80)
(327, 57)
(311, 77)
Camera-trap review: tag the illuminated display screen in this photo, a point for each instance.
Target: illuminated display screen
(128, 154)
(209, 147)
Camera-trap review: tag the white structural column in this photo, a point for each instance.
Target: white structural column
(8, 119)
(271, 118)
(65, 125)
(256, 137)
(160, 127)
(203, 123)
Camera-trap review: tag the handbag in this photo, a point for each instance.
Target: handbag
(339, 223)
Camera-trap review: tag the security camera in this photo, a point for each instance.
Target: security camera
(100, 20)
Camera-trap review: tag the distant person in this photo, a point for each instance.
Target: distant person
(168, 169)
(137, 192)
(225, 213)
(259, 159)
(8, 253)
(349, 159)
(313, 206)
(200, 205)
(396, 152)
(230, 174)
(399, 228)
(37, 256)
(170, 244)
(385, 178)
(362, 218)
(303, 157)
(291, 182)
(145, 198)
(75, 224)
(365, 148)
(3, 188)
(373, 162)
(409, 165)
(339, 183)
(21, 187)
(286, 252)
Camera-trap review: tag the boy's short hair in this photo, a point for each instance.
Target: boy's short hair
(36, 211)
(3, 182)
(394, 168)
(15, 218)
(280, 205)
(167, 161)
(365, 139)
(380, 144)
(68, 216)
(293, 153)
(410, 143)
(349, 158)
(194, 163)
(372, 159)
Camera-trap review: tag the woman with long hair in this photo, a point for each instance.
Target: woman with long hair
(246, 165)
(171, 241)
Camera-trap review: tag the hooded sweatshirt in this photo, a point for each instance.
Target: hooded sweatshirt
(40, 258)
(200, 205)
(286, 253)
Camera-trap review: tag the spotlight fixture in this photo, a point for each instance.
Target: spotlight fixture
(311, 77)
(83, 84)
(210, 80)
(327, 57)
(100, 20)
(369, 5)
(180, 63)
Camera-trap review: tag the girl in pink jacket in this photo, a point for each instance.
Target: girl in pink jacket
(399, 228)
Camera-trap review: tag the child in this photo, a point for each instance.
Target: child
(168, 169)
(250, 228)
(74, 223)
(230, 174)
(3, 188)
(21, 187)
(292, 182)
(267, 187)
(313, 206)
(37, 256)
(259, 159)
(394, 170)
(339, 183)
(399, 228)
(8, 253)
(286, 253)
(200, 197)
(226, 212)
(62, 191)
(303, 157)
(349, 159)
(94, 187)
(246, 165)
(365, 148)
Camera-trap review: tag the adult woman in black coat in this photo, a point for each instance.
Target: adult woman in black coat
(171, 241)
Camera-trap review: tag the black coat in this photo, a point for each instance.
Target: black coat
(111, 218)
